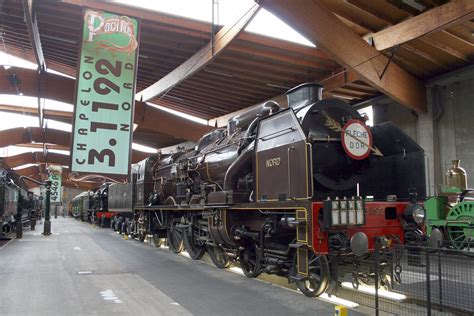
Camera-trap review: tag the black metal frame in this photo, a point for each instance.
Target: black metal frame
(434, 280)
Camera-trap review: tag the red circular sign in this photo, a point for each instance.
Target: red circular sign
(356, 139)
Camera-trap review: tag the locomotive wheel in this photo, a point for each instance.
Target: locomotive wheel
(218, 256)
(130, 230)
(157, 240)
(124, 229)
(118, 225)
(318, 278)
(175, 240)
(249, 263)
(193, 246)
(461, 237)
(142, 235)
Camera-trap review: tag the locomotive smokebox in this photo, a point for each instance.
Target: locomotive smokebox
(299, 154)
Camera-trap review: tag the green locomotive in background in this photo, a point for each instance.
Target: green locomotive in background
(450, 215)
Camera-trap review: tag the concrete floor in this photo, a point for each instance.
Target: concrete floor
(81, 270)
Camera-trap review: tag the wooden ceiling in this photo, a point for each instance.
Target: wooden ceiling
(251, 69)
(425, 57)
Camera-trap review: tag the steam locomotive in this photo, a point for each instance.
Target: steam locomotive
(92, 205)
(284, 191)
(450, 214)
(10, 187)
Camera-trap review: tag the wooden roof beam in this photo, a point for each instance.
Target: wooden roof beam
(350, 50)
(33, 31)
(49, 114)
(436, 19)
(200, 59)
(339, 80)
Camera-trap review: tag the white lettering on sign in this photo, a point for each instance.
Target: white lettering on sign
(356, 139)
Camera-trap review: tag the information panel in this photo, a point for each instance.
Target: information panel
(55, 176)
(105, 92)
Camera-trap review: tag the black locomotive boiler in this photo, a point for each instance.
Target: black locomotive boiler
(285, 191)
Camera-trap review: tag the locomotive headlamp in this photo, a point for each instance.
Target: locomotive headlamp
(418, 214)
(415, 212)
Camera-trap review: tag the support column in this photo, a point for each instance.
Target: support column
(47, 222)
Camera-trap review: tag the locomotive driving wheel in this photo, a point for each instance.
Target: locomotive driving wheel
(193, 245)
(157, 240)
(249, 262)
(174, 232)
(218, 256)
(460, 236)
(318, 276)
(174, 236)
(460, 225)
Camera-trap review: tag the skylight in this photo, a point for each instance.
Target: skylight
(17, 150)
(32, 102)
(226, 12)
(12, 61)
(13, 120)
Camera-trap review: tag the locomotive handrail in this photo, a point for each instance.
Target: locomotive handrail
(277, 133)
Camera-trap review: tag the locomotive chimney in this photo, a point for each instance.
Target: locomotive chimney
(304, 94)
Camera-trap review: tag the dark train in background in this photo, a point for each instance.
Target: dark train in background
(10, 187)
(277, 191)
(91, 205)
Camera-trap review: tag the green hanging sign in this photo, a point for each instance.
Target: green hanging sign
(105, 94)
(55, 176)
